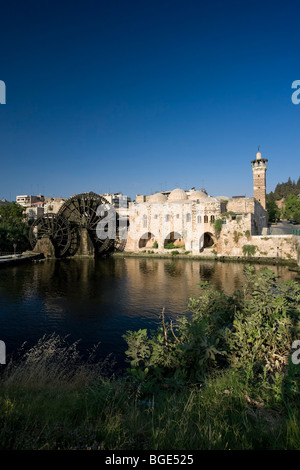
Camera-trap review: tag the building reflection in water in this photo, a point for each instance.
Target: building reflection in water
(99, 300)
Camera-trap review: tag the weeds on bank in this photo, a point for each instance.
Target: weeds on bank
(221, 377)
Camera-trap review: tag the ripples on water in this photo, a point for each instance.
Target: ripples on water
(99, 300)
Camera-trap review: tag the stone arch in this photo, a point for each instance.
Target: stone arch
(147, 240)
(175, 238)
(208, 240)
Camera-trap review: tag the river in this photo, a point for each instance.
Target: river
(97, 301)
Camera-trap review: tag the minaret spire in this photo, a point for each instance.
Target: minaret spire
(259, 168)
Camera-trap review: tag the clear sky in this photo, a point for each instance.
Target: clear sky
(139, 96)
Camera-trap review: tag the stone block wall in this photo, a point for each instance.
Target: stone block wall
(236, 234)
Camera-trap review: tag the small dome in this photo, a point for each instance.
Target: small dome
(258, 156)
(197, 195)
(177, 195)
(158, 197)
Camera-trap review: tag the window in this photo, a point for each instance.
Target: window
(206, 219)
(167, 217)
(199, 219)
(188, 217)
(212, 218)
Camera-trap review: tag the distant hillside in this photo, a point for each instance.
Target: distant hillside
(283, 190)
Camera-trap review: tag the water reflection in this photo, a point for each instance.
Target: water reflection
(99, 300)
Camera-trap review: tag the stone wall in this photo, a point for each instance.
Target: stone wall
(183, 223)
(243, 205)
(243, 229)
(236, 234)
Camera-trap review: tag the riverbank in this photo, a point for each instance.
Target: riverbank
(224, 380)
(211, 257)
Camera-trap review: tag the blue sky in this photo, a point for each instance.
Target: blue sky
(141, 96)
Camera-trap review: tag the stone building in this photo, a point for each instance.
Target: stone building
(39, 208)
(27, 200)
(195, 222)
(35, 210)
(259, 168)
(53, 204)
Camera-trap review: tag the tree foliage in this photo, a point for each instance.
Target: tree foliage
(282, 190)
(292, 207)
(13, 228)
(273, 210)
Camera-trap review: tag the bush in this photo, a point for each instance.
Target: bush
(248, 234)
(263, 329)
(169, 246)
(236, 236)
(175, 355)
(218, 225)
(249, 250)
(251, 332)
(228, 214)
(155, 245)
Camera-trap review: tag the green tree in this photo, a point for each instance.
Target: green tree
(273, 210)
(296, 216)
(283, 190)
(13, 228)
(11, 213)
(292, 206)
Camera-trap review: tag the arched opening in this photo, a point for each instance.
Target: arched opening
(174, 240)
(208, 240)
(147, 240)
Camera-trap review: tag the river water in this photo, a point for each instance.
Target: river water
(99, 300)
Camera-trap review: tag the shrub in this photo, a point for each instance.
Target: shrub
(236, 236)
(250, 332)
(263, 329)
(155, 245)
(173, 355)
(228, 214)
(218, 225)
(170, 246)
(248, 234)
(249, 250)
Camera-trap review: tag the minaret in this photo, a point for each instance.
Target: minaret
(259, 168)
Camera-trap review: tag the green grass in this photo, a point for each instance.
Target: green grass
(177, 395)
(84, 410)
